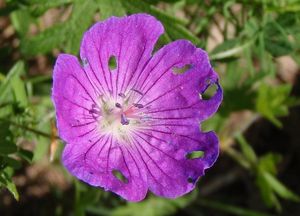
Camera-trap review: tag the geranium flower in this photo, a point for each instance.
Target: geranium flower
(133, 126)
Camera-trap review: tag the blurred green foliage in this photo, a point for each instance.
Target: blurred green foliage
(254, 34)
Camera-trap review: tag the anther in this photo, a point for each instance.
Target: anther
(138, 105)
(137, 91)
(122, 95)
(118, 105)
(94, 111)
(124, 120)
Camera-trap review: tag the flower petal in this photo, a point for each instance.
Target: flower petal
(165, 158)
(170, 94)
(173, 112)
(130, 40)
(95, 163)
(73, 97)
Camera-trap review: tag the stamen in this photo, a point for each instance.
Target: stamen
(137, 91)
(122, 95)
(124, 120)
(94, 111)
(138, 105)
(118, 105)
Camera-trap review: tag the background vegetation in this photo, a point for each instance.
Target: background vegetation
(253, 44)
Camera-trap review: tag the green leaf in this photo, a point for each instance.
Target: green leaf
(6, 109)
(215, 123)
(47, 3)
(229, 49)
(251, 27)
(11, 162)
(7, 146)
(289, 21)
(13, 189)
(13, 83)
(246, 149)
(227, 208)
(38, 7)
(67, 34)
(285, 6)
(244, 96)
(267, 193)
(5, 179)
(45, 41)
(21, 20)
(78, 23)
(195, 154)
(268, 162)
(174, 26)
(226, 45)
(5, 11)
(110, 8)
(278, 46)
(5, 86)
(162, 206)
(273, 101)
(25, 154)
(279, 188)
(276, 40)
(268, 185)
(41, 149)
(19, 90)
(177, 31)
(2, 77)
(135, 6)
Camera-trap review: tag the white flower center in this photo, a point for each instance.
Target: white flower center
(119, 118)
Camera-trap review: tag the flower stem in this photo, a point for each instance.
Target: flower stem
(26, 128)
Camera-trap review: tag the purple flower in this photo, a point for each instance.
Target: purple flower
(132, 127)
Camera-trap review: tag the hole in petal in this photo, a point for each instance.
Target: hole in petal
(195, 154)
(120, 176)
(112, 63)
(209, 92)
(181, 70)
(191, 180)
(84, 62)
